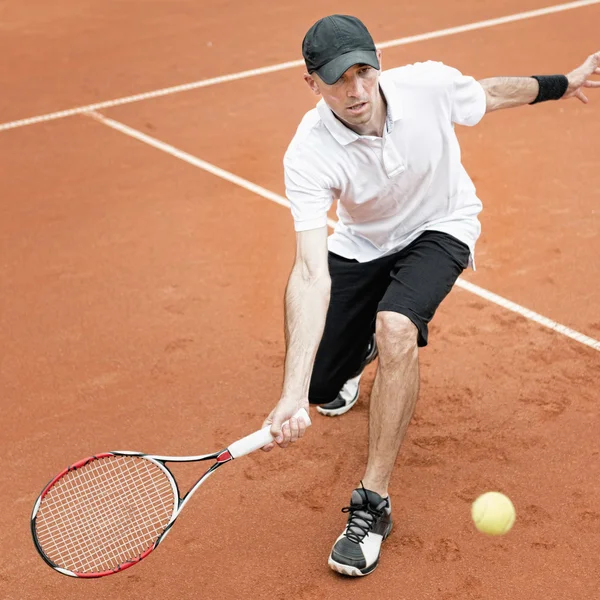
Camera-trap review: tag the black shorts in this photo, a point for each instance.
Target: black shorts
(412, 282)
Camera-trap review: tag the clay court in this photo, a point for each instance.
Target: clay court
(141, 303)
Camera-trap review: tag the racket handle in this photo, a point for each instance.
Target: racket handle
(260, 438)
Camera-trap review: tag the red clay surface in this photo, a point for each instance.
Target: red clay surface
(142, 308)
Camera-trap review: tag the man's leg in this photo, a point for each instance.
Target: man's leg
(393, 397)
(356, 290)
(423, 275)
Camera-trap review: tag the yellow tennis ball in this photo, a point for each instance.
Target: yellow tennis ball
(493, 513)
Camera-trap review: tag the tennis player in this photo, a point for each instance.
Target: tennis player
(384, 145)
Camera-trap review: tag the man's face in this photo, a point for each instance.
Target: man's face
(353, 97)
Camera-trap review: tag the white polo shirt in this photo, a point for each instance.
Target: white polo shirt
(390, 189)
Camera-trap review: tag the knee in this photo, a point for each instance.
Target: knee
(396, 337)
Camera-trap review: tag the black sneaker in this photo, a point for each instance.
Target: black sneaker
(356, 551)
(370, 356)
(344, 401)
(348, 395)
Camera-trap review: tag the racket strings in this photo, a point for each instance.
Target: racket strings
(104, 514)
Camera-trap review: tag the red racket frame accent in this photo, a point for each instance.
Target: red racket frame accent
(224, 457)
(73, 467)
(118, 569)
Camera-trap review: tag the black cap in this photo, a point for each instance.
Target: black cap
(336, 43)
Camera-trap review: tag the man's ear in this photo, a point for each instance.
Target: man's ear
(379, 59)
(312, 84)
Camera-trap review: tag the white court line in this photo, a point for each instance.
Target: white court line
(261, 191)
(294, 63)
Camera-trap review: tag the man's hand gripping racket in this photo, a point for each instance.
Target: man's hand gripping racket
(107, 512)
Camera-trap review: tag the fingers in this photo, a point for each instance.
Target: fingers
(277, 418)
(582, 96)
(286, 437)
(289, 432)
(280, 432)
(301, 427)
(591, 84)
(294, 429)
(286, 433)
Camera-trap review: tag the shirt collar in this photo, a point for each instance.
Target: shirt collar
(336, 128)
(346, 136)
(392, 97)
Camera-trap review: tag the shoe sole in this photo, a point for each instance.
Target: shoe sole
(336, 412)
(355, 571)
(350, 571)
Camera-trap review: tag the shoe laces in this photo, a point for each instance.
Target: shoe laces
(361, 519)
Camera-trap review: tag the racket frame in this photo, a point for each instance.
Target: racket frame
(179, 502)
(239, 448)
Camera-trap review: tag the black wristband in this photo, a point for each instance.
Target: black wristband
(552, 87)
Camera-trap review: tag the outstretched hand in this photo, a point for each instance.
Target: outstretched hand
(580, 78)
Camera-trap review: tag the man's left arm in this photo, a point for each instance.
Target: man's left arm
(508, 92)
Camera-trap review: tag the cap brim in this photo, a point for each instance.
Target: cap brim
(335, 68)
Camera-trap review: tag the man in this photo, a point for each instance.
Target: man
(384, 145)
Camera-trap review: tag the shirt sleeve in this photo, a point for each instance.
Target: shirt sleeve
(310, 200)
(468, 100)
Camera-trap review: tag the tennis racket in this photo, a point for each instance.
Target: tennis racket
(107, 512)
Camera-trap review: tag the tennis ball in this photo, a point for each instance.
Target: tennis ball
(493, 513)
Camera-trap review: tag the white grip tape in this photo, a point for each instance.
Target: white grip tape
(260, 438)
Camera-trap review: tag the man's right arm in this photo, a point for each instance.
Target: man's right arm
(306, 303)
